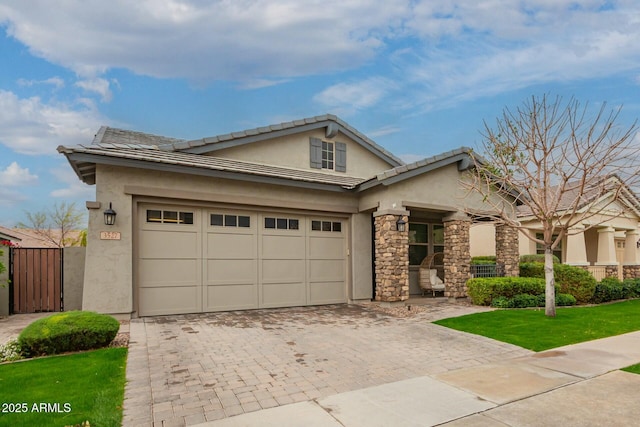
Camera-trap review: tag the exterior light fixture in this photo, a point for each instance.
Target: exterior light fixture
(400, 224)
(109, 216)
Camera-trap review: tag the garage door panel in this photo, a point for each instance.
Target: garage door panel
(326, 292)
(231, 246)
(274, 271)
(230, 297)
(169, 244)
(326, 248)
(283, 247)
(159, 272)
(232, 271)
(169, 300)
(283, 294)
(326, 270)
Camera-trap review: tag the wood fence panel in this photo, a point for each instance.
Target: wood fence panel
(36, 280)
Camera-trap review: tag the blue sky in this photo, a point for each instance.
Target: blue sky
(418, 76)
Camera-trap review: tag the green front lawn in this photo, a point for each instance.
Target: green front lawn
(533, 330)
(634, 369)
(64, 390)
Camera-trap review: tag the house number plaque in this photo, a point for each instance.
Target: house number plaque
(109, 235)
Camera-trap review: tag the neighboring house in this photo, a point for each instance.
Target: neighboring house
(300, 213)
(606, 243)
(29, 238)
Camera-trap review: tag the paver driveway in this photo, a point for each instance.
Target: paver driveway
(188, 369)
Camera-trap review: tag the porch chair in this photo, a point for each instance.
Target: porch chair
(432, 273)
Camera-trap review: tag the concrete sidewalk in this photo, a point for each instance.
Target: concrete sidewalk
(576, 385)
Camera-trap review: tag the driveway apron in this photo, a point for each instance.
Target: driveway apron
(188, 369)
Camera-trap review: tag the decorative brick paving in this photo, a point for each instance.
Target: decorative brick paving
(184, 370)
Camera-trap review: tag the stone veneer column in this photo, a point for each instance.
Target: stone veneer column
(507, 249)
(457, 255)
(392, 259)
(607, 251)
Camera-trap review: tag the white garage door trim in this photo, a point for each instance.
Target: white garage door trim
(234, 259)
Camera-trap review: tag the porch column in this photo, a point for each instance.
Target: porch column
(576, 253)
(391, 257)
(631, 265)
(457, 255)
(607, 251)
(507, 249)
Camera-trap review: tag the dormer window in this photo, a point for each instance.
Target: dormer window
(328, 155)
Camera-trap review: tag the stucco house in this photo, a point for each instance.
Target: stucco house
(300, 213)
(606, 240)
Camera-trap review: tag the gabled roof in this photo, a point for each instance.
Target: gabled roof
(331, 123)
(602, 188)
(461, 156)
(145, 151)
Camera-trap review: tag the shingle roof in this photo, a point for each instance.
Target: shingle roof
(153, 155)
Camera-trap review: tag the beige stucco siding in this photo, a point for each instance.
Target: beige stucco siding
(482, 239)
(441, 187)
(293, 151)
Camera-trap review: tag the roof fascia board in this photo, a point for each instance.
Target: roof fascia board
(235, 176)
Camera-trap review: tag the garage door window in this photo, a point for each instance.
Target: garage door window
(326, 226)
(169, 217)
(282, 223)
(220, 220)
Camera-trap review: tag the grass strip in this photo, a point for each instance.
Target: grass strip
(64, 390)
(532, 330)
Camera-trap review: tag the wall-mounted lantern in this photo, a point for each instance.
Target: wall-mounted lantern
(400, 224)
(109, 216)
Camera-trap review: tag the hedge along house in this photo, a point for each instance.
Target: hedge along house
(299, 213)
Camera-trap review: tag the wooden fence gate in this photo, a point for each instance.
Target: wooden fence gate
(36, 280)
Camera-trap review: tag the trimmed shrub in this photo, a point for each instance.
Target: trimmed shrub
(502, 302)
(483, 260)
(563, 300)
(525, 300)
(483, 291)
(537, 258)
(10, 351)
(575, 281)
(532, 269)
(610, 289)
(69, 331)
(570, 279)
(633, 286)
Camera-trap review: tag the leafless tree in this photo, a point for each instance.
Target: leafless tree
(58, 225)
(560, 162)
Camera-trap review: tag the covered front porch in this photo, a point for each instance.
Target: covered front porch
(405, 239)
(606, 251)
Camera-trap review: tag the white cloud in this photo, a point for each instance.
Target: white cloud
(11, 177)
(30, 126)
(350, 97)
(204, 41)
(411, 158)
(14, 176)
(56, 82)
(73, 188)
(96, 85)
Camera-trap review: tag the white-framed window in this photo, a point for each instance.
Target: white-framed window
(328, 155)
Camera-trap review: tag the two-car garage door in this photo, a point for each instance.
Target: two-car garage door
(194, 260)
